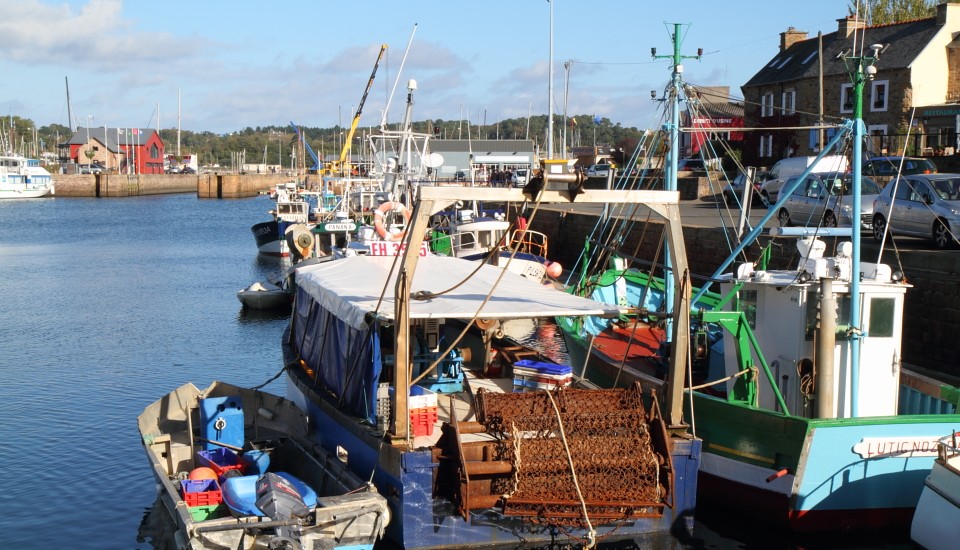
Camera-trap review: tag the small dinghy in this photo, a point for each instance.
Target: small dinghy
(235, 469)
(265, 295)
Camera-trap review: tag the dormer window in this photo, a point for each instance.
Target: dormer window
(846, 98)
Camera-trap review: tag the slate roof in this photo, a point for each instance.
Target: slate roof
(904, 42)
(111, 142)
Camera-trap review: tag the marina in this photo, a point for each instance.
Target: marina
(407, 364)
(151, 342)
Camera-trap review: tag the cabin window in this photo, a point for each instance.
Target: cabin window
(881, 317)
(846, 98)
(748, 305)
(878, 95)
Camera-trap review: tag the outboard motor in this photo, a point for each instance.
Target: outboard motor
(280, 501)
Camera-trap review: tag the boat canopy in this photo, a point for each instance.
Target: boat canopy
(351, 288)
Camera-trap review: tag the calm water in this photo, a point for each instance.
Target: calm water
(108, 304)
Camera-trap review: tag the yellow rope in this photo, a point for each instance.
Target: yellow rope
(592, 534)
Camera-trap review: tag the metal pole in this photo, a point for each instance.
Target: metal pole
(550, 90)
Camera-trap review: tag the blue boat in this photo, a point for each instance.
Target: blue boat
(473, 439)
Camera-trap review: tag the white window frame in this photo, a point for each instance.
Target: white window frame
(883, 100)
(766, 104)
(766, 146)
(788, 101)
(846, 92)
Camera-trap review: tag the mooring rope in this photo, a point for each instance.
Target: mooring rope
(591, 534)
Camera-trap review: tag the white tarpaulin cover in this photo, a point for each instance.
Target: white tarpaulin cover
(351, 287)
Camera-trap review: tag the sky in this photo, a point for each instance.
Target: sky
(227, 65)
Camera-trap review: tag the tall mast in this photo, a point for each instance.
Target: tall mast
(69, 108)
(673, 127)
(550, 90)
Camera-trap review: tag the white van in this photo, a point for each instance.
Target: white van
(794, 166)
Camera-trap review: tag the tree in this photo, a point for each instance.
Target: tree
(883, 12)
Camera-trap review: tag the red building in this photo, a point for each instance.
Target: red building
(122, 150)
(712, 118)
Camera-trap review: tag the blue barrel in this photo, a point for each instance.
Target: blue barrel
(221, 419)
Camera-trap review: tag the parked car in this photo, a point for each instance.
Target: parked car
(599, 171)
(187, 170)
(733, 191)
(924, 205)
(691, 165)
(888, 166)
(89, 169)
(794, 166)
(827, 200)
(520, 177)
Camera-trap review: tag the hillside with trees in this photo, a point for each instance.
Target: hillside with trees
(273, 144)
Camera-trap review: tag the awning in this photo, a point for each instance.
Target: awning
(351, 288)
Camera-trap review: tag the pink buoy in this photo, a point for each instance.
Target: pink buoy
(554, 269)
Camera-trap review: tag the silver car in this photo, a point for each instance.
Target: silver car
(924, 205)
(825, 200)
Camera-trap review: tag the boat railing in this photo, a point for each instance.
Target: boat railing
(947, 447)
(528, 241)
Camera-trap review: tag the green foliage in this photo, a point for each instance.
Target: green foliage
(883, 12)
(276, 142)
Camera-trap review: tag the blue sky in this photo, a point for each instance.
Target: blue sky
(247, 63)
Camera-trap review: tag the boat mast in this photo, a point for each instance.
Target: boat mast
(673, 128)
(69, 108)
(550, 90)
(860, 68)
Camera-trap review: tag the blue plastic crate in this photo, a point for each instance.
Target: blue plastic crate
(546, 368)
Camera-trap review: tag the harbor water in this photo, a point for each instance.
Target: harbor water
(110, 303)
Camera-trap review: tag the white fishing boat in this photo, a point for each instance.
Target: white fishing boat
(430, 408)
(23, 178)
(935, 520)
(235, 468)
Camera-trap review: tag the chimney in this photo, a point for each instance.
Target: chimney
(849, 24)
(790, 37)
(943, 8)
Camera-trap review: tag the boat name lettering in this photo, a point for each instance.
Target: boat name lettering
(874, 447)
(331, 227)
(393, 249)
(262, 231)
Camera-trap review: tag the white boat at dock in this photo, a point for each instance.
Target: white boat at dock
(23, 178)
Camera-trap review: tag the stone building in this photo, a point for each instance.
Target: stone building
(808, 84)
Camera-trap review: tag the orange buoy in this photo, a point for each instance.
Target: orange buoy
(203, 473)
(554, 269)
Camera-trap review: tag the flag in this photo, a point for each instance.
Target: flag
(573, 122)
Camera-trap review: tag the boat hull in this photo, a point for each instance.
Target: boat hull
(817, 475)
(269, 243)
(937, 515)
(407, 477)
(25, 192)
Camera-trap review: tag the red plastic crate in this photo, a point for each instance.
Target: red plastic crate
(422, 420)
(201, 492)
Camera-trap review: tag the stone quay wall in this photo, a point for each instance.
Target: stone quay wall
(206, 186)
(931, 327)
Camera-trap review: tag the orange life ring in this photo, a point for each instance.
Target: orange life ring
(379, 214)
